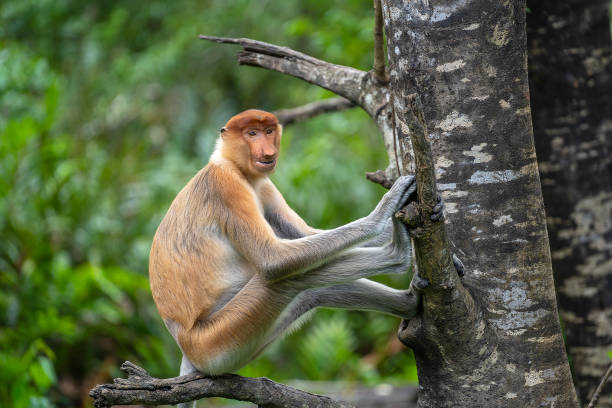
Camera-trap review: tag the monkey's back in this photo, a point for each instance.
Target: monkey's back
(189, 256)
(211, 298)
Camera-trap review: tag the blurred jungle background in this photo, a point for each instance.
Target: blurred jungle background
(107, 109)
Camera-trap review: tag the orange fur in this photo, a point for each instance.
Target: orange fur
(231, 264)
(195, 257)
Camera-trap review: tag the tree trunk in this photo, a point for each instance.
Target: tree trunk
(572, 115)
(467, 61)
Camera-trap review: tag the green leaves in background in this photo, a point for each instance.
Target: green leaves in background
(106, 110)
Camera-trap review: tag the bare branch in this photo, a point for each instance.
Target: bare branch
(379, 177)
(300, 113)
(600, 388)
(425, 171)
(379, 51)
(359, 87)
(141, 388)
(342, 80)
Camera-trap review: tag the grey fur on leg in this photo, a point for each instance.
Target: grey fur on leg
(362, 294)
(187, 368)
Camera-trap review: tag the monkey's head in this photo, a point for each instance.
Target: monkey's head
(251, 140)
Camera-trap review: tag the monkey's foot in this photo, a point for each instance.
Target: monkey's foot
(413, 297)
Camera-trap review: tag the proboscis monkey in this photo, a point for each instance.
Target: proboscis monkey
(232, 266)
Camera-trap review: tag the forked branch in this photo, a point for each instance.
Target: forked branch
(433, 256)
(342, 80)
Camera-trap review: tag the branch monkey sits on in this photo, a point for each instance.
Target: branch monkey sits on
(232, 266)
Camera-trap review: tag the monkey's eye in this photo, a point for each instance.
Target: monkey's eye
(252, 133)
(268, 131)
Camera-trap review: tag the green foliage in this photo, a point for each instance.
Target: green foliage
(65, 305)
(106, 110)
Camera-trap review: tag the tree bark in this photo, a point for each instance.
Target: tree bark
(467, 61)
(572, 116)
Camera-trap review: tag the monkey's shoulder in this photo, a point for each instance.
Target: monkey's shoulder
(212, 189)
(221, 182)
(209, 207)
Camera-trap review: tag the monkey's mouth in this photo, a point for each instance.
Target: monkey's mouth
(265, 164)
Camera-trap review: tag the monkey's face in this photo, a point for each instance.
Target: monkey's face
(253, 138)
(263, 142)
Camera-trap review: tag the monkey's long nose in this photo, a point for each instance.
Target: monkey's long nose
(269, 153)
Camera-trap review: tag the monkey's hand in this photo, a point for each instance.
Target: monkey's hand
(438, 210)
(392, 201)
(400, 248)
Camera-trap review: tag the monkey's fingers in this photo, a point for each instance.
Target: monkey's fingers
(438, 210)
(419, 282)
(410, 191)
(458, 266)
(406, 185)
(402, 183)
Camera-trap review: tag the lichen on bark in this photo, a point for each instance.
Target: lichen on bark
(572, 106)
(467, 62)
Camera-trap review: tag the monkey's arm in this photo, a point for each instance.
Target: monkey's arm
(286, 223)
(394, 257)
(356, 263)
(277, 258)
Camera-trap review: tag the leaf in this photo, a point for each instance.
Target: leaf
(42, 373)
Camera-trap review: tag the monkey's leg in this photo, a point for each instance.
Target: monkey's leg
(187, 368)
(365, 294)
(362, 294)
(351, 265)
